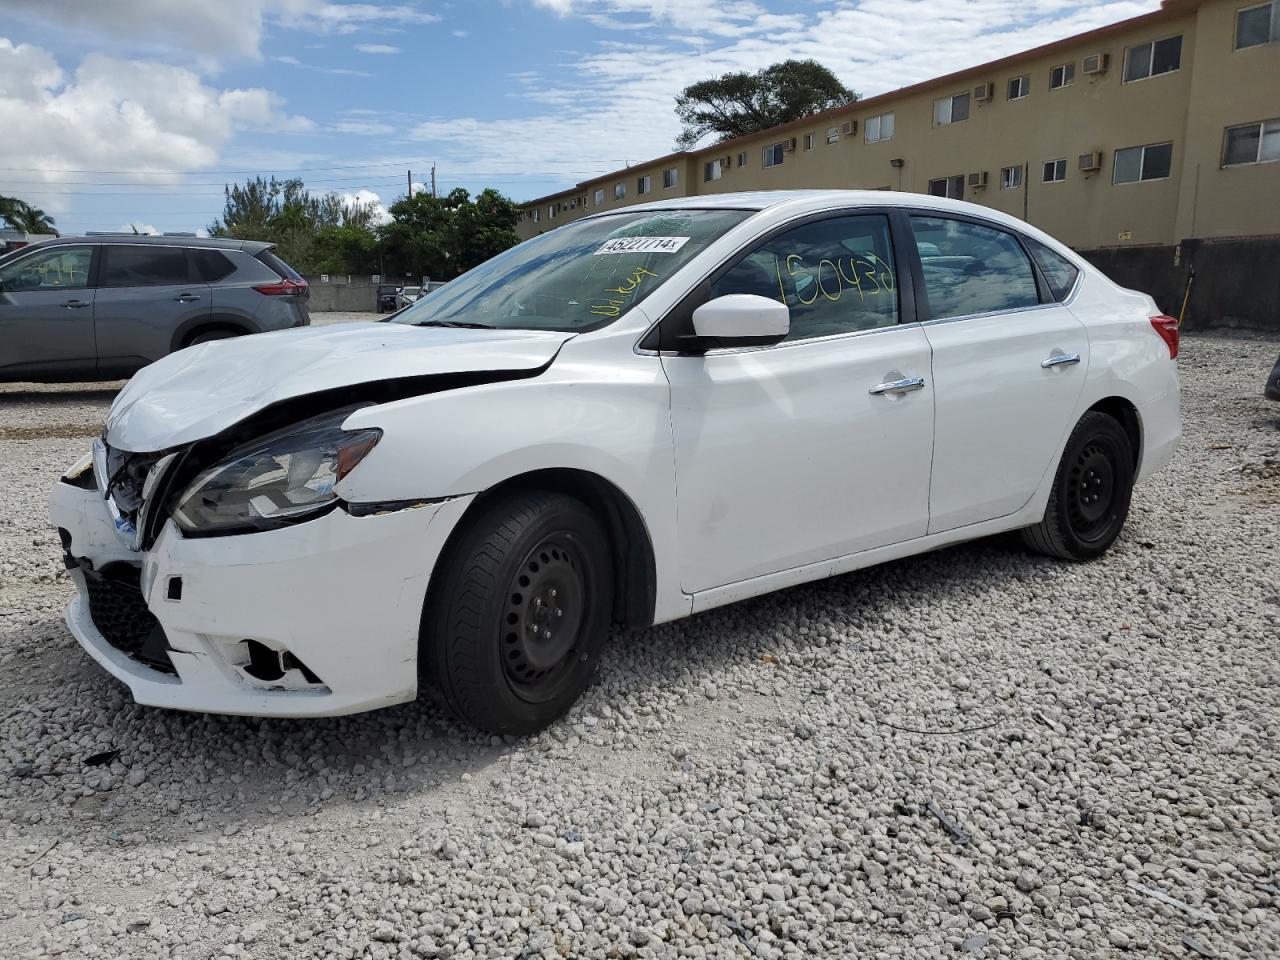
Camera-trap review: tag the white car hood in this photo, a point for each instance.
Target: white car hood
(198, 392)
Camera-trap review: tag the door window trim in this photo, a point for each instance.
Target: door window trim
(924, 309)
(650, 342)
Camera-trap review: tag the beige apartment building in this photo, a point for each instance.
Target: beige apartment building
(1153, 130)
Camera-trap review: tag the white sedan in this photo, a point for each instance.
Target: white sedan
(632, 418)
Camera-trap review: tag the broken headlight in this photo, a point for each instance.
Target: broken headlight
(275, 480)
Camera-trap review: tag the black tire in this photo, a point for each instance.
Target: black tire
(208, 336)
(518, 612)
(1091, 492)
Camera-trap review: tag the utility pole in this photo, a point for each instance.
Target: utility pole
(409, 176)
(433, 179)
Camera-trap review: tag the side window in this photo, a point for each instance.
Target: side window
(1060, 272)
(62, 268)
(969, 268)
(209, 266)
(124, 266)
(836, 276)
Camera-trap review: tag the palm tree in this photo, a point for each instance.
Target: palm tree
(24, 217)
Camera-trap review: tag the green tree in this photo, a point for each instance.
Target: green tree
(24, 217)
(442, 237)
(736, 104)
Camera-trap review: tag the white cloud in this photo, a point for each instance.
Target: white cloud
(363, 128)
(367, 198)
(714, 19)
(377, 48)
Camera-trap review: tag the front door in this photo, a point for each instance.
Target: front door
(146, 294)
(1009, 363)
(46, 314)
(817, 447)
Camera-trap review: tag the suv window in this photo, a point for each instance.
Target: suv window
(970, 268)
(125, 266)
(62, 268)
(210, 266)
(836, 276)
(1059, 272)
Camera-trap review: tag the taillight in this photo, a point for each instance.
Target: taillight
(1167, 327)
(285, 288)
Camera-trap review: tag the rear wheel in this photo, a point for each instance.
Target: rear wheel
(1090, 498)
(515, 621)
(208, 336)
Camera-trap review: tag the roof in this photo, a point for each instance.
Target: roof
(217, 243)
(1168, 9)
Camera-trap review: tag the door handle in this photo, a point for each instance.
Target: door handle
(905, 385)
(1060, 360)
(187, 297)
(75, 304)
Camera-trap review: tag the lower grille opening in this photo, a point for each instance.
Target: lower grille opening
(121, 615)
(269, 665)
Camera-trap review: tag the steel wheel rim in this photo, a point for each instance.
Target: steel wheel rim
(1091, 493)
(543, 616)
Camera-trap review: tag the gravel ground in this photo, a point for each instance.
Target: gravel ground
(972, 753)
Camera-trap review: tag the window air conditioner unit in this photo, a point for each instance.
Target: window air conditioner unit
(849, 127)
(790, 145)
(978, 179)
(1091, 162)
(1096, 63)
(982, 92)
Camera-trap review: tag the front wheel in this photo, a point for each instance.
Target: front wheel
(1090, 498)
(515, 621)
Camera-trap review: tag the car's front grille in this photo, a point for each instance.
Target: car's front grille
(120, 613)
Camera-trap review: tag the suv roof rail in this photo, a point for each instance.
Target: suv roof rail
(178, 233)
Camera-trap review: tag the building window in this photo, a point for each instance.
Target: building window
(742, 159)
(951, 109)
(951, 187)
(1152, 59)
(1062, 75)
(536, 214)
(597, 198)
(644, 185)
(1258, 25)
(1055, 171)
(670, 178)
(1010, 177)
(712, 170)
(619, 191)
(1019, 87)
(809, 140)
(879, 128)
(773, 154)
(833, 134)
(1252, 143)
(1150, 162)
(551, 212)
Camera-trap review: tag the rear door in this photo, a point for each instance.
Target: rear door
(1009, 362)
(145, 295)
(46, 314)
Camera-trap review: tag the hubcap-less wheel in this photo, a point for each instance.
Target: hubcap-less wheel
(1092, 492)
(546, 602)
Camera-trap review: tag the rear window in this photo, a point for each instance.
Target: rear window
(285, 271)
(209, 265)
(125, 266)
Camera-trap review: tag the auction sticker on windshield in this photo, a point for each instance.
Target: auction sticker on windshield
(642, 245)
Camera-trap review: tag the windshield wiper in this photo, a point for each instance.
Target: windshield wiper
(463, 324)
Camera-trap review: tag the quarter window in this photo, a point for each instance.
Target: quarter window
(1010, 177)
(1252, 143)
(62, 268)
(951, 109)
(952, 187)
(1258, 25)
(773, 154)
(879, 127)
(1062, 75)
(1054, 171)
(1151, 162)
(1152, 59)
(970, 268)
(1059, 272)
(836, 276)
(1019, 87)
(124, 266)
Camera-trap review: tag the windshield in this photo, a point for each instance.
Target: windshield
(579, 277)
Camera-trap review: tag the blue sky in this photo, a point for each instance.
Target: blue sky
(137, 111)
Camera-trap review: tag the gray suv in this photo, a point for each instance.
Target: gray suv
(101, 308)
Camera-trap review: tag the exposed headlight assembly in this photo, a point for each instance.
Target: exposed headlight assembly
(275, 480)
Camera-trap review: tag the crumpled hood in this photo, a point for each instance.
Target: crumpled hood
(198, 392)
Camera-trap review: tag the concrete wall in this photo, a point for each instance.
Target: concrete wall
(349, 293)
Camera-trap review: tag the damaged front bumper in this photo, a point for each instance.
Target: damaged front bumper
(317, 619)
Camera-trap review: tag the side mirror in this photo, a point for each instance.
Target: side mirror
(739, 320)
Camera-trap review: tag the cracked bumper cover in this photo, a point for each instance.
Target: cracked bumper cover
(343, 594)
